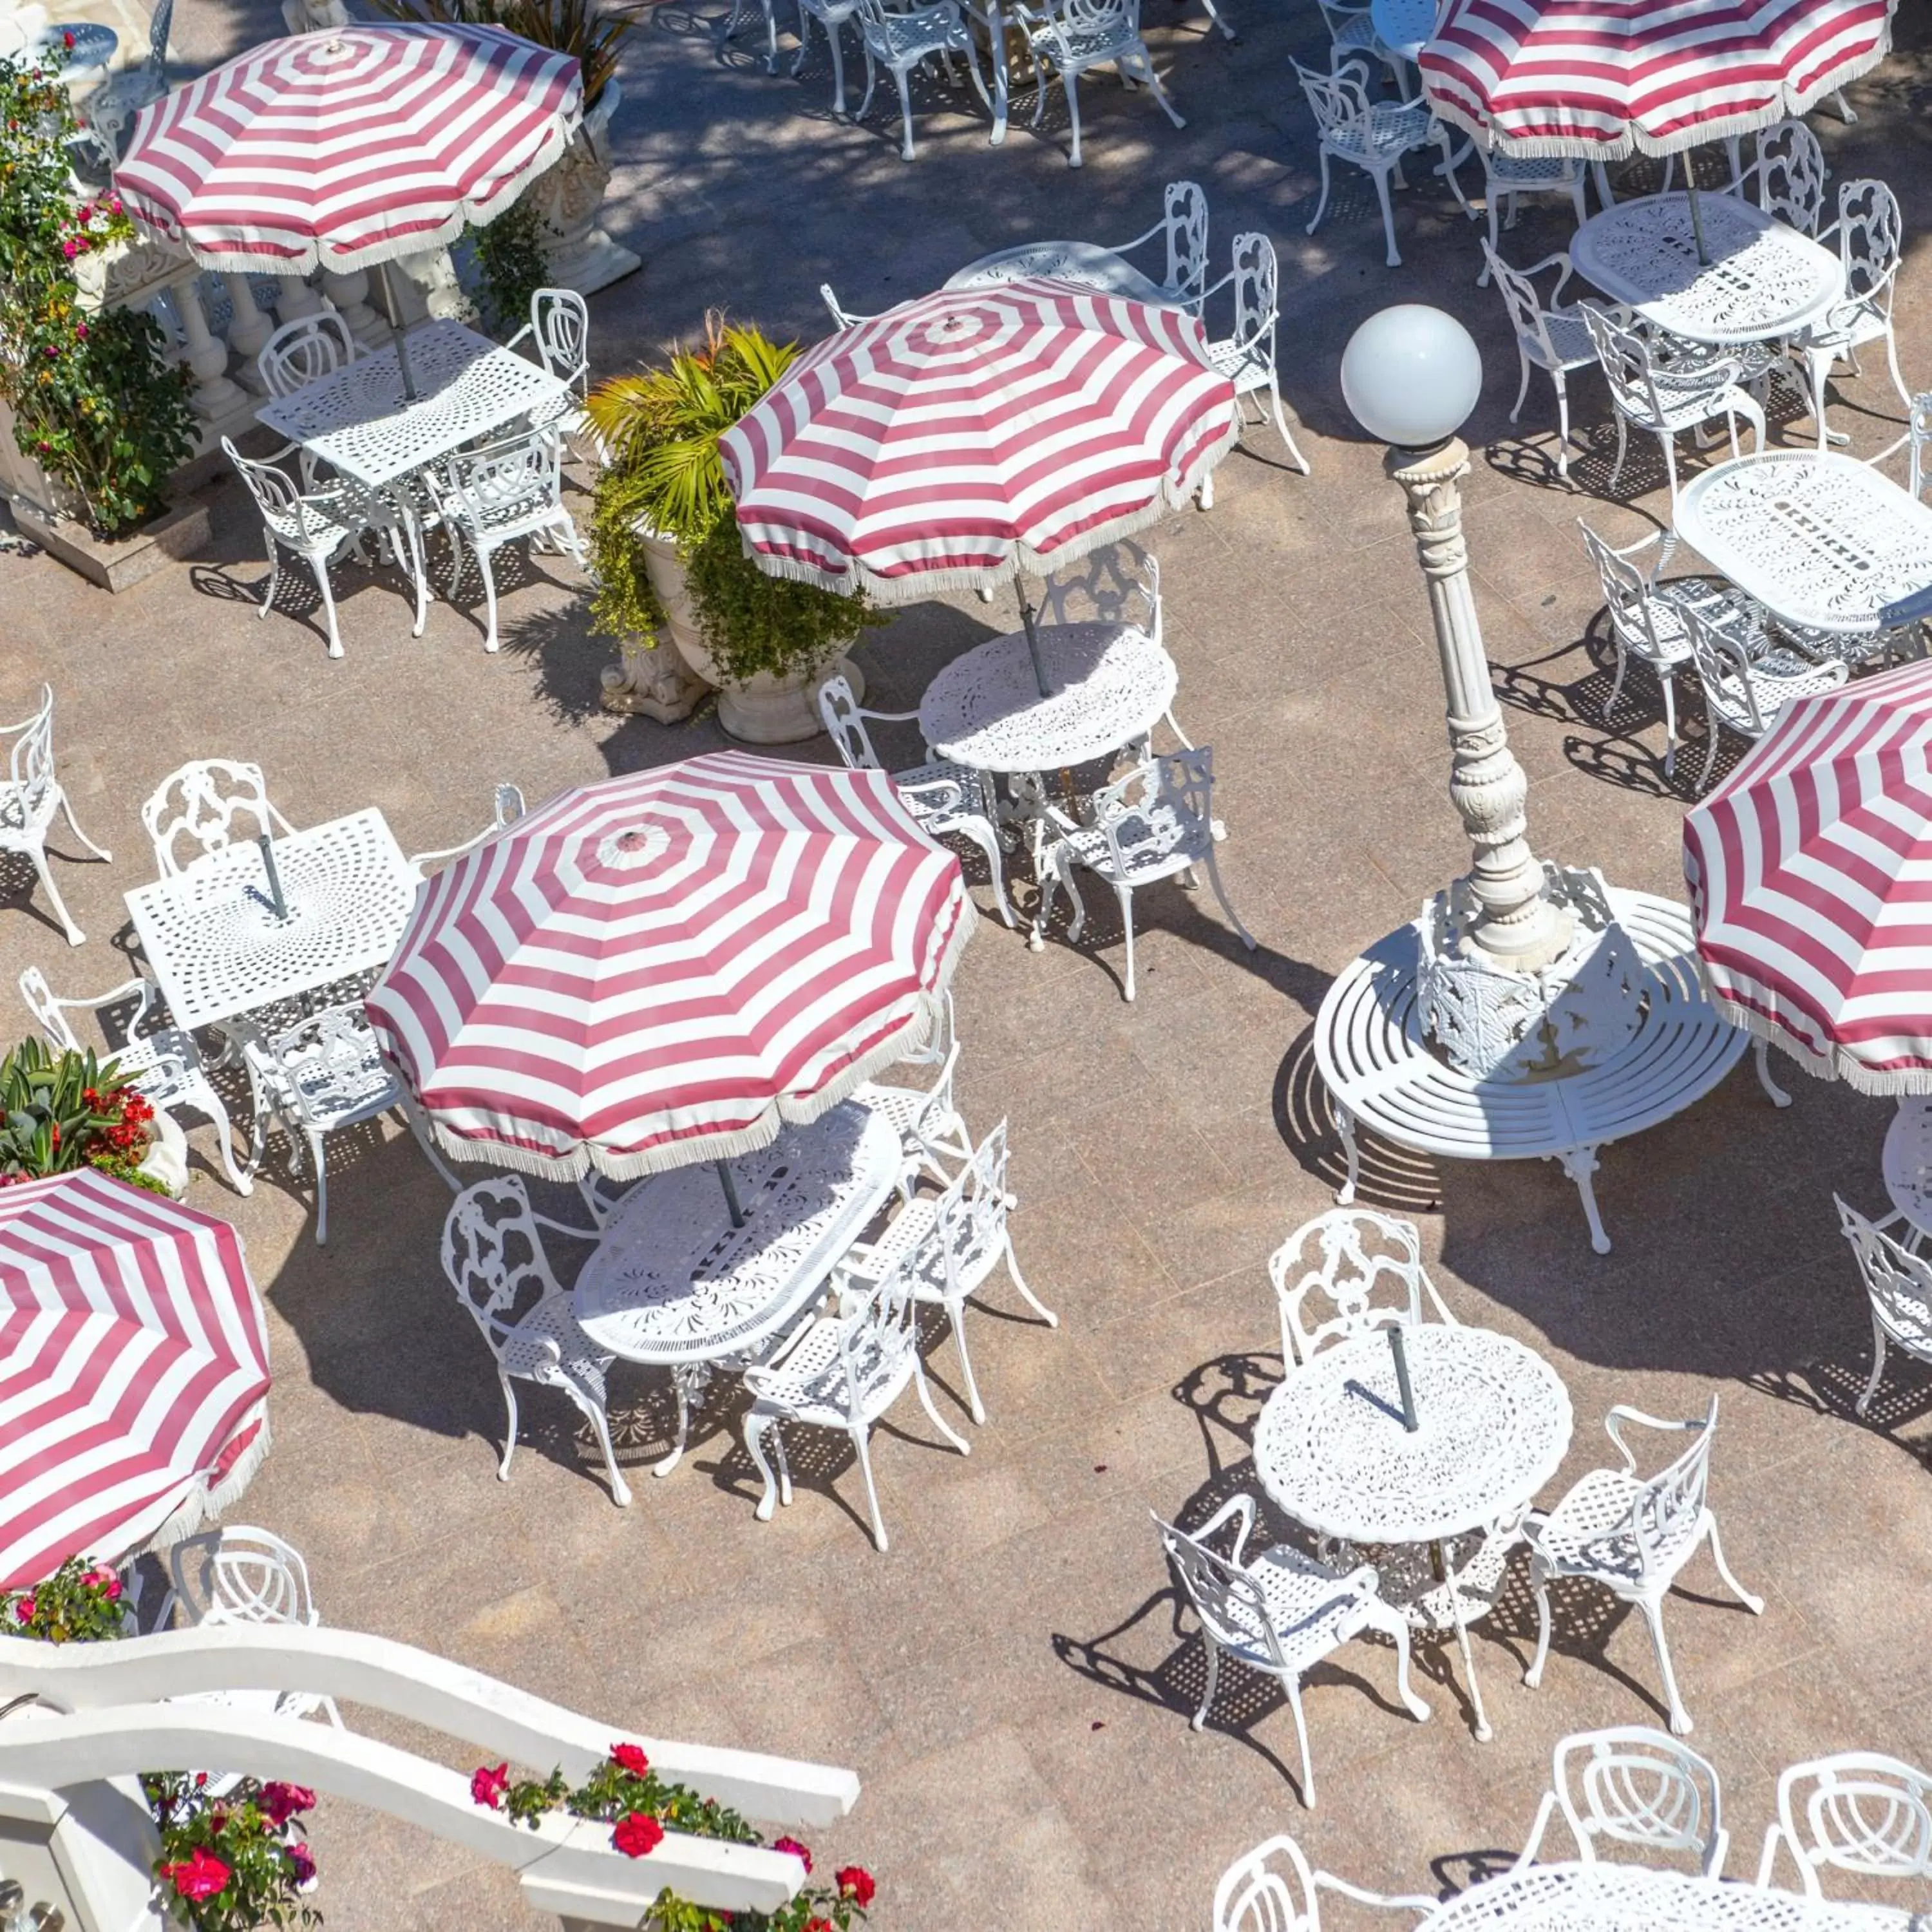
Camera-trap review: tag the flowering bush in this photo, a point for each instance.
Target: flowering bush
(79, 1603)
(93, 396)
(625, 1793)
(59, 1110)
(234, 1863)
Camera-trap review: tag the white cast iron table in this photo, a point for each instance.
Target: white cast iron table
(212, 935)
(355, 418)
(672, 1282)
(1083, 262)
(1403, 26)
(1112, 684)
(1381, 1074)
(1764, 280)
(1332, 1450)
(1617, 1898)
(1908, 1161)
(1823, 541)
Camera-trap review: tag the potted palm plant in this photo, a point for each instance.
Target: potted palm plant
(665, 551)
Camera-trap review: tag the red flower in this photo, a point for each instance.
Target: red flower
(487, 1786)
(90, 1096)
(797, 1851)
(302, 1864)
(66, 40)
(631, 1758)
(636, 1834)
(24, 1610)
(114, 202)
(819, 1925)
(200, 1877)
(200, 1779)
(280, 1802)
(855, 1882)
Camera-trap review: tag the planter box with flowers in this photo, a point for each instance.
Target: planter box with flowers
(62, 1111)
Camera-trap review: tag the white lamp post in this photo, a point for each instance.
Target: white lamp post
(1411, 375)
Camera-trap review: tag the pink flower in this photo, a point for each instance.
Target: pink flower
(631, 1758)
(280, 1802)
(487, 1786)
(115, 204)
(638, 1834)
(303, 1864)
(200, 1877)
(797, 1851)
(24, 1610)
(69, 248)
(80, 333)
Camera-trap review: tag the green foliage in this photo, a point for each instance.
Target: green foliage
(235, 1863)
(79, 1603)
(661, 428)
(93, 397)
(593, 33)
(60, 1110)
(510, 256)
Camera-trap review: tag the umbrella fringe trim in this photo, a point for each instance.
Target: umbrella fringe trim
(204, 1502)
(1837, 1064)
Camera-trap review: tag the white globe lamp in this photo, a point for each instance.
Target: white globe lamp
(1411, 375)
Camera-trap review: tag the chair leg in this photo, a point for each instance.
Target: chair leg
(955, 1314)
(1214, 1654)
(1070, 83)
(417, 571)
(38, 854)
(982, 835)
(1711, 756)
(1653, 1615)
(1388, 216)
(274, 578)
(1397, 1628)
(833, 34)
(1754, 1604)
(1616, 682)
(1125, 895)
(1522, 387)
(1669, 443)
(1322, 203)
(1227, 905)
(804, 41)
(1891, 359)
(905, 112)
(1667, 678)
(680, 1382)
(871, 81)
(755, 1425)
(210, 1102)
(939, 1422)
(1292, 1685)
(1863, 1402)
(319, 565)
(1300, 464)
(321, 1160)
(1623, 448)
(860, 1443)
(1533, 1676)
(785, 1466)
(1562, 427)
(73, 825)
(1032, 1300)
(620, 1490)
(1167, 106)
(510, 1434)
(490, 639)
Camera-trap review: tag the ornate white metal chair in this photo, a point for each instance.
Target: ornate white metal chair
(1352, 30)
(1555, 340)
(771, 32)
(945, 798)
(899, 38)
(948, 1247)
(1656, 385)
(202, 800)
(1871, 232)
(1647, 621)
(301, 351)
(1156, 823)
(1118, 583)
(1255, 1895)
(1280, 1612)
(1371, 135)
(1747, 694)
(1327, 1300)
(1070, 36)
(1182, 229)
(319, 524)
(559, 331)
(506, 807)
(163, 1064)
(325, 1073)
(490, 496)
(1897, 1277)
(842, 1371)
(927, 1120)
(493, 1252)
(1507, 179)
(832, 15)
(1787, 177)
(1633, 1786)
(110, 109)
(841, 318)
(31, 795)
(1863, 1813)
(1247, 357)
(1632, 1535)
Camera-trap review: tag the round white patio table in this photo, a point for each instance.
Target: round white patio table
(1908, 1161)
(1823, 541)
(1616, 1897)
(1764, 280)
(1493, 1422)
(1112, 683)
(1083, 262)
(1403, 26)
(672, 1282)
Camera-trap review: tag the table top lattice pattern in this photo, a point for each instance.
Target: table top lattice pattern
(1822, 542)
(1083, 262)
(1616, 1897)
(355, 419)
(1112, 683)
(1764, 278)
(672, 1281)
(212, 935)
(1330, 1448)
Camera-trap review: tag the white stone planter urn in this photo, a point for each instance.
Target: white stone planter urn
(669, 681)
(578, 254)
(166, 1158)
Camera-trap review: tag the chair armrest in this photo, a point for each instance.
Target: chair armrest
(937, 798)
(1417, 1902)
(1534, 1844)
(136, 985)
(891, 717)
(1121, 247)
(1767, 1862)
(1560, 257)
(1621, 1412)
(575, 1233)
(1241, 1507)
(526, 330)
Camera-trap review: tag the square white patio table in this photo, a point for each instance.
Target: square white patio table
(1764, 279)
(1493, 1423)
(673, 1282)
(218, 950)
(1618, 1898)
(1823, 541)
(354, 418)
(1085, 262)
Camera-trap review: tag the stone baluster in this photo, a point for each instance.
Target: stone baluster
(297, 299)
(248, 328)
(350, 295)
(215, 395)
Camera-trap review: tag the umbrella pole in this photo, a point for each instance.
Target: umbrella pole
(1027, 616)
(730, 1185)
(1697, 216)
(402, 343)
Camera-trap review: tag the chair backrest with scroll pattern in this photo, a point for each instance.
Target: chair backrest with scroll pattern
(202, 802)
(1858, 1812)
(1269, 1889)
(1632, 1785)
(493, 1252)
(1345, 1272)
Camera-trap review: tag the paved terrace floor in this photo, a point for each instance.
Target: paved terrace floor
(1008, 1681)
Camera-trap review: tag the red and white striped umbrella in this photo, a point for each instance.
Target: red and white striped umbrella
(1810, 875)
(345, 149)
(969, 435)
(670, 968)
(1603, 79)
(133, 1371)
